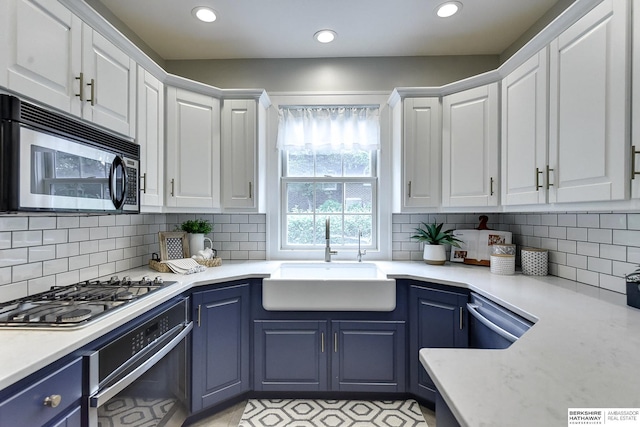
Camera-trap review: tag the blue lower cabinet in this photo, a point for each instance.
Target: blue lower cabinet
(295, 355)
(290, 355)
(220, 345)
(368, 356)
(438, 319)
(45, 398)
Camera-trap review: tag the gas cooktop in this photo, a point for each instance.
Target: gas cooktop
(76, 305)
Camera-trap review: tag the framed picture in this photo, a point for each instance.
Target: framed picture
(173, 245)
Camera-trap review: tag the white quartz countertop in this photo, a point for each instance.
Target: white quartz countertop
(582, 352)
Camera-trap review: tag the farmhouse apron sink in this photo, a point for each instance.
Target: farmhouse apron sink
(335, 286)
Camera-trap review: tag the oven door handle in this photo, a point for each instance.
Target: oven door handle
(103, 396)
(473, 310)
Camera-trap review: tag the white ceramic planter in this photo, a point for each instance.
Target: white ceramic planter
(196, 243)
(434, 254)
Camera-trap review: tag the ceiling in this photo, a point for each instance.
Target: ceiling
(365, 28)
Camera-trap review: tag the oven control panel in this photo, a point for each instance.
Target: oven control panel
(148, 335)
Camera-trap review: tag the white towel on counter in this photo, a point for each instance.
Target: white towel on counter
(184, 266)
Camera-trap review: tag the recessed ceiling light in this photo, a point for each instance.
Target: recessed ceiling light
(325, 36)
(448, 9)
(205, 14)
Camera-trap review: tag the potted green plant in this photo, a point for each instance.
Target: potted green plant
(435, 239)
(197, 228)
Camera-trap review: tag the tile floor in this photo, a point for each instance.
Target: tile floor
(231, 417)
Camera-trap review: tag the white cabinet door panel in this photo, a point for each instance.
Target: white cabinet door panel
(421, 152)
(40, 52)
(588, 139)
(193, 150)
(150, 131)
(470, 147)
(239, 145)
(111, 94)
(524, 132)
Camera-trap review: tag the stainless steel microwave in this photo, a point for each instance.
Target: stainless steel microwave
(53, 163)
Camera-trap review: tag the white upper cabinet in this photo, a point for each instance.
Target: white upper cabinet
(40, 52)
(588, 120)
(524, 132)
(150, 136)
(192, 178)
(110, 84)
(48, 54)
(239, 153)
(421, 140)
(470, 148)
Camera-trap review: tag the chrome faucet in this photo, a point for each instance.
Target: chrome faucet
(360, 252)
(327, 249)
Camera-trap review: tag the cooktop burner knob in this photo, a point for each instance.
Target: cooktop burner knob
(158, 280)
(114, 279)
(145, 279)
(126, 280)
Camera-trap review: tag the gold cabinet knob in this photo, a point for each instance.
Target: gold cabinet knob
(53, 400)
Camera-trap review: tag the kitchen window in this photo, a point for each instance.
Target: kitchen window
(329, 171)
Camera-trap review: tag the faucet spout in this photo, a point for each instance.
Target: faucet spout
(360, 252)
(327, 249)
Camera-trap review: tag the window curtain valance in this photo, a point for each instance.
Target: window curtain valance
(329, 128)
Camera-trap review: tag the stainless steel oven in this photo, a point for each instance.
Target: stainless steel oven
(141, 377)
(51, 162)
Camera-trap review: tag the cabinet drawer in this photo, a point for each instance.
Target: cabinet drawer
(27, 408)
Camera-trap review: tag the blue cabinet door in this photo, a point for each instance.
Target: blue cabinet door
(438, 320)
(368, 356)
(290, 355)
(220, 345)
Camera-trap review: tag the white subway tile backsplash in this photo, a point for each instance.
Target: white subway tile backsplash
(78, 262)
(65, 250)
(599, 235)
(89, 221)
(617, 221)
(612, 283)
(590, 249)
(42, 222)
(578, 261)
(52, 237)
(589, 277)
(26, 271)
(633, 221)
(567, 272)
(633, 254)
(621, 269)
(5, 240)
(42, 253)
(577, 234)
(22, 239)
(68, 222)
(626, 237)
(14, 223)
(5, 276)
(79, 234)
(55, 266)
(589, 220)
(567, 220)
(558, 232)
(600, 265)
(107, 221)
(68, 278)
(568, 246)
(614, 252)
(9, 257)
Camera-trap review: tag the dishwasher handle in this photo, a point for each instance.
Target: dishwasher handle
(473, 310)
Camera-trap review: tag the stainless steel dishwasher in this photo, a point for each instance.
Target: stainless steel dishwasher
(492, 326)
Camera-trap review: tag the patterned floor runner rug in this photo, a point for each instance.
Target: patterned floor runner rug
(332, 413)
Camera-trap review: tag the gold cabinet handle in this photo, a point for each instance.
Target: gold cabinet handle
(409, 189)
(335, 342)
(52, 401)
(549, 184)
(491, 186)
(80, 93)
(633, 162)
(461, 324)
(538, 172)
(199, 310)
(250, 190)
(321, 342)
(172, 186)
(92, 100)
(144, 179)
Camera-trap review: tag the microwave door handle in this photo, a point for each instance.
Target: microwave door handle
(118, 163)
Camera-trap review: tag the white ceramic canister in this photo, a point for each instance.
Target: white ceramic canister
(503, 259)
(534, 261)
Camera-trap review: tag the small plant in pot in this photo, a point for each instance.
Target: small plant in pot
(197, 228)
(434, 240)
